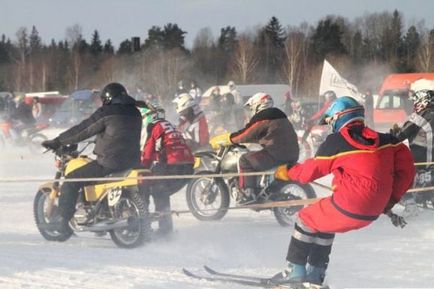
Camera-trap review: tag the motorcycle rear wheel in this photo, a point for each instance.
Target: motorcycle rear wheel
(40, 204)
(208, 198)
(285, 216)
(131, 205)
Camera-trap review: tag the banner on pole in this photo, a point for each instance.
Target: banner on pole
(332, 80)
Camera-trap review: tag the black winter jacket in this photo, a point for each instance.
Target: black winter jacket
(419, 130)
(117, 127)
(271, 129)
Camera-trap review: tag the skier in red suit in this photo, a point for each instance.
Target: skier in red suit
(372, 171)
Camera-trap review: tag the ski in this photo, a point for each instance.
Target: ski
(227, 280)
(217, 273)
(249, 280)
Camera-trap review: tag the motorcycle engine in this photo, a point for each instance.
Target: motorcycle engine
(81, 215)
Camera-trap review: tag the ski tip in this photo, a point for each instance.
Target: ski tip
(209, 270)
(188, 273)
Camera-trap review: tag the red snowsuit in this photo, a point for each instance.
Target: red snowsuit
(165, 144)
(370, 169)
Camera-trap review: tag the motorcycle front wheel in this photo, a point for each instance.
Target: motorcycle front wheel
(285, 216)
(207, 198)
(132, 206)
(41, 204)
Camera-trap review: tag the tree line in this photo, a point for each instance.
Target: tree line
(364, 50)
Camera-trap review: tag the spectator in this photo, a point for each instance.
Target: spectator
(195, 91)
(369, 108)
(237, 96)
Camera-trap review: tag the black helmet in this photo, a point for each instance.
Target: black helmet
(112, 90)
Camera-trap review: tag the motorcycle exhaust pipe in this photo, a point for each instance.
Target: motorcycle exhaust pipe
(107, 225)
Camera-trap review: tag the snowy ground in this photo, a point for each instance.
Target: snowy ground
(244, 242)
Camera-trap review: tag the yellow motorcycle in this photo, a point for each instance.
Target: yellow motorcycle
(116, 207)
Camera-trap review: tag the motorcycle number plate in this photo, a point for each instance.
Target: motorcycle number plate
(113, 196)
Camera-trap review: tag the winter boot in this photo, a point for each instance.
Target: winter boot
(315, 274)
(294, 273)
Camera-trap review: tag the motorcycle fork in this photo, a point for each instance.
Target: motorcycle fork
(54, 194)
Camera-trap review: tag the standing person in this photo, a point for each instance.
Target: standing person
(180, 88)
(418, 130)
(195, 91)
(117, 125)
(369, 108)
(269, 127)
(237, 95)
(22, 117)
(371, 173)
(329, 97)
(192, 122)
(215, 100)
(165, 152)
(36, 107)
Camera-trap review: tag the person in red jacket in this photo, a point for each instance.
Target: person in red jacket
(372, 171)
(165, 152)
(192, 122)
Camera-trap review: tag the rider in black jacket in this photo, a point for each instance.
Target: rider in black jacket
(117, 126)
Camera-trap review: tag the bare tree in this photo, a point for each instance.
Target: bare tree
(295, 50)
(245, 60)
(74, 35)
(425, 55)
(22, 37)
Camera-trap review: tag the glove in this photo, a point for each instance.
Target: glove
(281, 173)
(397, 221)
(395, 130)
(220, 140)
(53, 144)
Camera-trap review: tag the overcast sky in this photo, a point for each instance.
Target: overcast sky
(122, 19)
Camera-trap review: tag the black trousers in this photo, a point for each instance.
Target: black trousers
(69, 191)
(161, 190)
(257, 161)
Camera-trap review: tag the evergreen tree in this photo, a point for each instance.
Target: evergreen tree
(327, 39)
(34, 41)
(95, 45)
(275, 33)
(357, 50)
(154, 39)
(227, 39)
(125, 47)
(411, 45)
(173, 37)
(108, 47)
(270, 43)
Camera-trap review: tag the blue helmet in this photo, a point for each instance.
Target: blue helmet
(342, 111)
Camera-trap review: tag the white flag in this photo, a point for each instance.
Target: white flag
(332, 80)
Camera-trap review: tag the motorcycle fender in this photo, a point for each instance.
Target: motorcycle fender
(113, 196)
(95, 192)
(50, 189)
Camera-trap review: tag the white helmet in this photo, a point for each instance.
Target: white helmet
(259, 101)
(184, 101)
